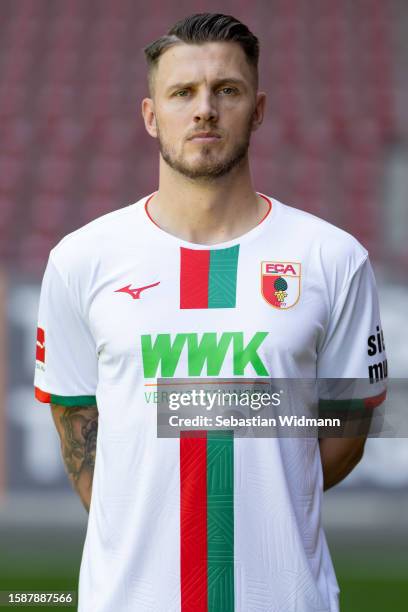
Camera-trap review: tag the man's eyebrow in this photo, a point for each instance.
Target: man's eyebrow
(216, 83)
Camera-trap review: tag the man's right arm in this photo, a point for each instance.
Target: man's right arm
(78, 428)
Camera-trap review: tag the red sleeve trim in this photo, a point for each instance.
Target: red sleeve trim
(373, 402)
(42, 396)
(65, 400)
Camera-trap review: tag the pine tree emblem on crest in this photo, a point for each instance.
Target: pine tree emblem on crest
(280, 289)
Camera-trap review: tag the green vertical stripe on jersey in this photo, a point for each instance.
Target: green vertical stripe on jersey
(220, 521)
(222, 282)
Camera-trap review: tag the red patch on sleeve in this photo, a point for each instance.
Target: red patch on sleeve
(40, 351)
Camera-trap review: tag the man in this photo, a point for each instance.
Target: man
(170, 287)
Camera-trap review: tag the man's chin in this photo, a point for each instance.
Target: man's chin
(211, 167)
(200, 172)
(204, 168)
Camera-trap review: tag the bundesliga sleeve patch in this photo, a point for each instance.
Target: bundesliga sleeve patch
(40, 348)
(280, 283)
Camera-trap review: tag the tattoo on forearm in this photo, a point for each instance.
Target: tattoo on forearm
(79, 429)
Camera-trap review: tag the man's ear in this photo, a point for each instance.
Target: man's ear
(149, 117)
(259, 110)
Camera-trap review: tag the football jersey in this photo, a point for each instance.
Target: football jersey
(212, 523)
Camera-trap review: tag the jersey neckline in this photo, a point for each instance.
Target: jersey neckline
(266, 219)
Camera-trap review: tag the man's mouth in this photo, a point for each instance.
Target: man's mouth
(205, 137)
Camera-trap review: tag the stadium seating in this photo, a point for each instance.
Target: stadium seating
(73, 146)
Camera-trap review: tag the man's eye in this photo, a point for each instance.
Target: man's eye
(181, 93)
(228, 91)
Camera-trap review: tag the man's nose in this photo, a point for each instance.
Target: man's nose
(206, 108)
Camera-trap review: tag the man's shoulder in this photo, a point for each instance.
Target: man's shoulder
(105, 232)
(318, 234)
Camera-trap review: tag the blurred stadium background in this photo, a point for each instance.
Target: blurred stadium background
(335, 142)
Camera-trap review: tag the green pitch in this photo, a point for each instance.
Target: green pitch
(370, 580)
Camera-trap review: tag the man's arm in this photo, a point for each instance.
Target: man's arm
(78, 428)
(339, 457)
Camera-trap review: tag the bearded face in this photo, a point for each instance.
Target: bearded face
(204, 108)
(197, 159)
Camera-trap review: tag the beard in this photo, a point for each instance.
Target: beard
(208, 167)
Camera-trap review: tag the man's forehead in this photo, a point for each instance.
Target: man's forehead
(213, 59)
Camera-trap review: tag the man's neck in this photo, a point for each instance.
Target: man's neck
(206, 212)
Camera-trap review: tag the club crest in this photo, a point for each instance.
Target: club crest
(280, 283)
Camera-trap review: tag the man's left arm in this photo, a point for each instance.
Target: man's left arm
(339, 457)
(350, 369)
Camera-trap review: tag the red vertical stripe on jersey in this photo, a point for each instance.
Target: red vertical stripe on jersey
(193, 521)
(194, 275)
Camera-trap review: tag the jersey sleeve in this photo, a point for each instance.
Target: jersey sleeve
(66, 356)
(353, 346)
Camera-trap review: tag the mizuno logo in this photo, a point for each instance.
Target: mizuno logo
(135, 293)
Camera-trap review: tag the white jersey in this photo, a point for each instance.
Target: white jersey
(203, 524)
